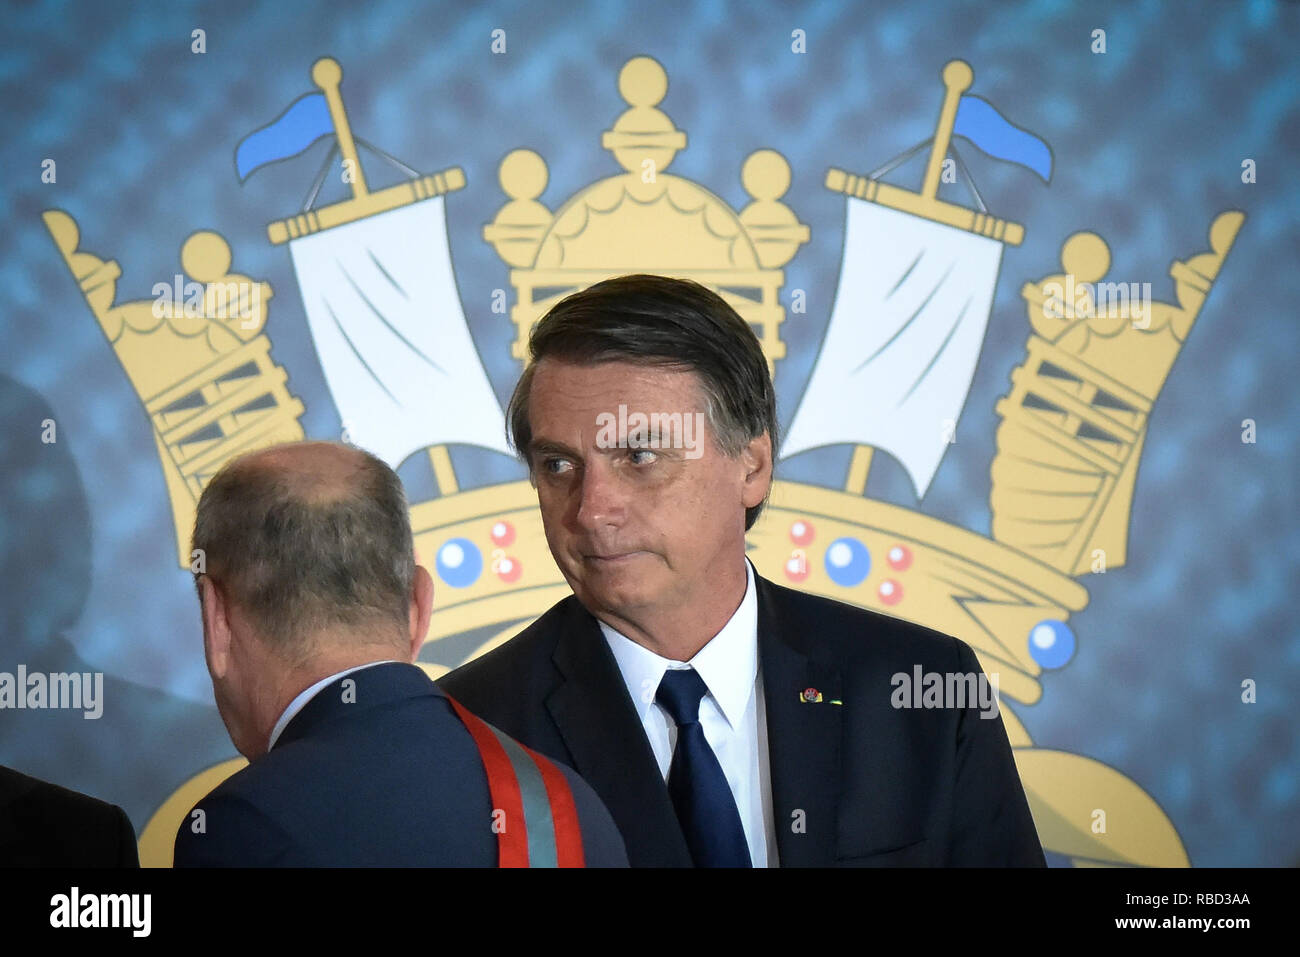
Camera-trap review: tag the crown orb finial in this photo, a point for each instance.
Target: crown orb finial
(958, 75)
(765, 175)
(520, 224)
(326, 72)
(772, 225)
(643, 139)
(205, 256)
(1085, 256)
(523, 174)
(642, 81)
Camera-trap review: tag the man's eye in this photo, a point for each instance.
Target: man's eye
(556, 466)
(642, 456)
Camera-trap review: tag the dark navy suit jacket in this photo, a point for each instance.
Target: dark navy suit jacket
(860, 783)
(391, 779)
(44, 825)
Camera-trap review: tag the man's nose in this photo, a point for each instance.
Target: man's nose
(601, 498)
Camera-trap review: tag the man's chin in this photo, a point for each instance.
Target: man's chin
(628, 581)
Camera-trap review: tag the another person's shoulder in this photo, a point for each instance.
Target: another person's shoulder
(18, 790)
(523, 659)
(231, 826)
(602, 844)
(63, 827)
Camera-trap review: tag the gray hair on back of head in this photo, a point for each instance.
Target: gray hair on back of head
(299, 560)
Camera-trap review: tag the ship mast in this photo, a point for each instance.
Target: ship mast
(328, 76)
(957, 79)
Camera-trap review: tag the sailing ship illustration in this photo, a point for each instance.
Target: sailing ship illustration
(908, 324)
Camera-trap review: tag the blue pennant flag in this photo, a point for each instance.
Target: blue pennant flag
(997, 136)
(305, 121)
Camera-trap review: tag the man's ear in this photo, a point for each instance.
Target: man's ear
(421, 608)
(216, 627)
(757, 459)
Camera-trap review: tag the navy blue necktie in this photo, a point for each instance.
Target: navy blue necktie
(698, 788)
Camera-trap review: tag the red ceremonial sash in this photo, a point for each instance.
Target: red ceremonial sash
(533, 811)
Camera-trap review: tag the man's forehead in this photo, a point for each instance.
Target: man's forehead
(557, 381)
(576, 407)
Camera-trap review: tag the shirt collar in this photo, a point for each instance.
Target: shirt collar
(298, 703)
(728, 663)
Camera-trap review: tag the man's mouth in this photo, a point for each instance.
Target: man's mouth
(611, 557)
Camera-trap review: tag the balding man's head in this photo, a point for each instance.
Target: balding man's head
(310, 539)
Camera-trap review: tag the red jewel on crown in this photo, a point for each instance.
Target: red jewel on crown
(796, 566)
(509, 569)
(890, 592)
(899, 558)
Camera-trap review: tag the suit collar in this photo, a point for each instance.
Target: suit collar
(595, 717)
(371, 687)
(307, 694)
(728, 663)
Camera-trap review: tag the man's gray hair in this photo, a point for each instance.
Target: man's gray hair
(299, 556)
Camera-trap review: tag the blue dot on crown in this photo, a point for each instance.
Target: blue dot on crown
(459, 562)
(847, 562)
(1051, 643)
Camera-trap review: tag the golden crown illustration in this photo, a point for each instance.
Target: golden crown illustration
(1068, 445)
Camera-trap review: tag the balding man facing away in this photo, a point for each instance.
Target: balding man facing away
(313, 613)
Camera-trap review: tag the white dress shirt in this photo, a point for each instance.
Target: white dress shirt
(733, 715)
(300, 702)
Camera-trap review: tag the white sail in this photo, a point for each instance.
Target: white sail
(386, 318)
(900, 350)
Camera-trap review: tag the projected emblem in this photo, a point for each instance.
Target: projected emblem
(917, 281)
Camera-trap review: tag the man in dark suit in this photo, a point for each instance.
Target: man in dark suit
(44, 825)
(313, 613)
(724, 720)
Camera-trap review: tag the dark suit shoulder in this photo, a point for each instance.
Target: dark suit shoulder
(943, 776)
(520, 654)
(21, 791)
(236, 824)
(391, 778)
(226, 815)
(49, 825)
(519, 674)
(424, 728)
(832, 630)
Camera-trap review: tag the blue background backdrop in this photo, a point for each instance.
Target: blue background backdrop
(1148, 139)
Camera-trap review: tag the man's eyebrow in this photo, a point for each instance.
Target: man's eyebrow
(548, 446)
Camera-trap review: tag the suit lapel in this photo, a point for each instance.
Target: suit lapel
(600, 728)
(803, 738)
